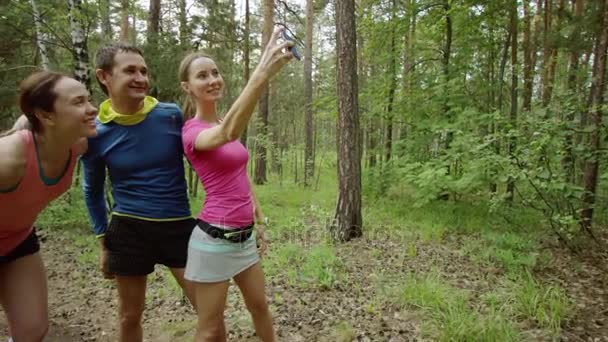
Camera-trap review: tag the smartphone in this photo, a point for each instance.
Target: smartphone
(294, 49)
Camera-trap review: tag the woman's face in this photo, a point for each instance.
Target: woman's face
(205, 82)
(74, 115)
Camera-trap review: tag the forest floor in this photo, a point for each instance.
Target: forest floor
(418, 274)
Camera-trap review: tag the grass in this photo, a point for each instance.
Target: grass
(448, 313)
(547, 305)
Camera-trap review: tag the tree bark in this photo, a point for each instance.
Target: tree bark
(308, 149)
(514, 80)
(596, 101)
(184, 32)
(262, 132)
(79, 44)
(246, 60)
(44, 55)
(106, 23)
(527, 93)
(153, 21)
(568, 162)
(348, 220)
(388, 140)
(124, 21)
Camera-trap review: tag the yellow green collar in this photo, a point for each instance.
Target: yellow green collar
(107, 113)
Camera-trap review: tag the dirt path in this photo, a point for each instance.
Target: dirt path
(83, 305)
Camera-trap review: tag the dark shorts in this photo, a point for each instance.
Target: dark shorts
(135, 246)
(29, 246)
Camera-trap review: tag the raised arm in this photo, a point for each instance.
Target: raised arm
(235, 122)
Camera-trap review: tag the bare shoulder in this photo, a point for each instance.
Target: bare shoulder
(12, 165)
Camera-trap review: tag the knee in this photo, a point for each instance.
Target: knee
(131, 318)
(31, 330)
(258, 307)
(211, 331)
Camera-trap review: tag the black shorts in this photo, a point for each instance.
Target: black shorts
(29, 246)
(135, 246)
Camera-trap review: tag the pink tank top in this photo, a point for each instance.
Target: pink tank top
(19, 207)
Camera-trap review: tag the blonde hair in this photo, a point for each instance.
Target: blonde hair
(189, 107)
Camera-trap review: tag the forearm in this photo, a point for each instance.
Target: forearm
(236, 120)
(94, 195)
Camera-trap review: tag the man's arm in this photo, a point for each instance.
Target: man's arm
(93, 187)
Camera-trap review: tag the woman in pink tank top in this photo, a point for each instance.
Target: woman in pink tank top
(223, 245)
(36, 167)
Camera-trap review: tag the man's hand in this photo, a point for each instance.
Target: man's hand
(103, 259)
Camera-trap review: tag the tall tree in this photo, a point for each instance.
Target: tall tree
(184, 32)
(573, 68)
(246, 47)
(79, 43)
(596, 101)
(308, 150)
(348, 219)
(153, 21)
(388, 140)
(106, 23)
(124, 20)
(527, 93)
(514, 80)
(44, 55)
(262, 132)
(547, 51)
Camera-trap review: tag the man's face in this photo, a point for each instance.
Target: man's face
(128, 80)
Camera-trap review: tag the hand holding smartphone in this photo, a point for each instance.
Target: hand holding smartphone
(294, 49)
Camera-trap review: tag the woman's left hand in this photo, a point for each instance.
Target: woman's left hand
(260, 237)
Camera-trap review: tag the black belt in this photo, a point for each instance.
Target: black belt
(235, 235)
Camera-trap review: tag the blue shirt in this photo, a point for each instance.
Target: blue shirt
(145, 165)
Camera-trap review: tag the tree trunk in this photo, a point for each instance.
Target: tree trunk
(388, 140)
(447, 51)
(184, 32)
(106, 23)
(514, 80)
(262, 132)
(308, 152)
(79, 44)
(153, 22)
(44, 55)
(553, 64)
(527, 95)
(596, 101)
(568, 162)
(536, 37)
(246, 60)
(547, 52)
(348, 220)
(124, 21)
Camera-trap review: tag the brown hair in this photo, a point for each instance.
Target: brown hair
(183, 74)
(37, 92)
(104, 58)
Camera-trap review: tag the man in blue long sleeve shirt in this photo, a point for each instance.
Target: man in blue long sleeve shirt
(139, 144)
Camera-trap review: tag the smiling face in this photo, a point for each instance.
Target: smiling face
(72, 115)
(128, 80)
(205, 83)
